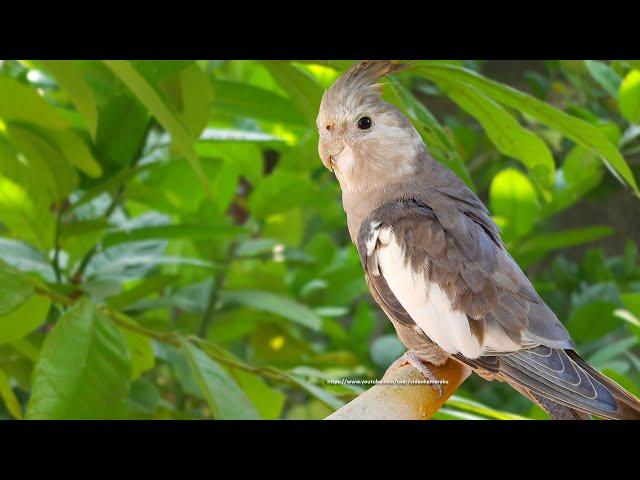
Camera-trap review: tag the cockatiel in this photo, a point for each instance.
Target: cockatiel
(435, 263)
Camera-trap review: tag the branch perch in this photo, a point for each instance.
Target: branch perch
(404, 401)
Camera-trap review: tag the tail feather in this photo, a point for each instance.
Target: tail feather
(562, 376)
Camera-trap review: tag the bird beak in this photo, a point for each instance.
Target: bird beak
(328, 155)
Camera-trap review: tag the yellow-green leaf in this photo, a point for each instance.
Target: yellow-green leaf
(19, 103)
(576, 129)
(24, 319)
(71, 79)
(151, 99)
(629, 96)
(10, 400)
(77, 152)
(506, 133)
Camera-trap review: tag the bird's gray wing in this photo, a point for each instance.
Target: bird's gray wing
(445, 271)
(487, 304)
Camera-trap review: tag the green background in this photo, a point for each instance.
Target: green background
(171, 246)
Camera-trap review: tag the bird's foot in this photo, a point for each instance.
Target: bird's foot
(415, 361)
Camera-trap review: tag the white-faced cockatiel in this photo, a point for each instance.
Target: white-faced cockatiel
(435, 263)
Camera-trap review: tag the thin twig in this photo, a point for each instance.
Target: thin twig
(56, 253)
(115, 201)
(214, 351)
(216, 285)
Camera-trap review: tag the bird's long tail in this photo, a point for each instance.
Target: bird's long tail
(563, 377)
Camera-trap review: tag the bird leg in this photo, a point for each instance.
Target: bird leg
(411, 358)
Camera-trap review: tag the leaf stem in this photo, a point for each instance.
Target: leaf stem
(76, 278)
(216, 286)
(56, 253)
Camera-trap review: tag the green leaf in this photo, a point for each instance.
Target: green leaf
(243, 100)
(505, 132)
(514, 203)
(268, 401)
(629, 96)
(19, 103)
(141, 351)
(573, 128)
(280, 192)
(318, 392)
(633, 323)
(607, 77)
(468, 405)
(304, 91)
(84, 369)
(50, 166)
(581, 171)
(158, 70)
(632, 302)
(154, 103)
(24, 319)
(274, 303)
(146, 287)
(592, 320)
(224, 396)
(122, 130)
(77, 152)
(10, 400)
(539, 245)
(14, 289)
(71, 78)
(193, 99)
(169, 231)
(612, 350)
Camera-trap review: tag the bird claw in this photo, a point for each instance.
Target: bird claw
(414, 360)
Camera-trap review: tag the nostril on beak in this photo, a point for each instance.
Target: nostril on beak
(330, 126)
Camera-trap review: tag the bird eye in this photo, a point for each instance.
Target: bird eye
(364, 123)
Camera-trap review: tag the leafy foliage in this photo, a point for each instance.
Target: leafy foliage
(172, 248)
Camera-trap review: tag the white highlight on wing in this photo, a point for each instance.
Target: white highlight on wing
(371, 243)
(427, 304)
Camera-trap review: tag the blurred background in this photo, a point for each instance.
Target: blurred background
(171, 246)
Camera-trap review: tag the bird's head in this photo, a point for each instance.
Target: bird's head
(364, 139)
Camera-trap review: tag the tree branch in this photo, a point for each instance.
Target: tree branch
(395, 400)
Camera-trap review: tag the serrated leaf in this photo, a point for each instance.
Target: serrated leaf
(83, 371)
